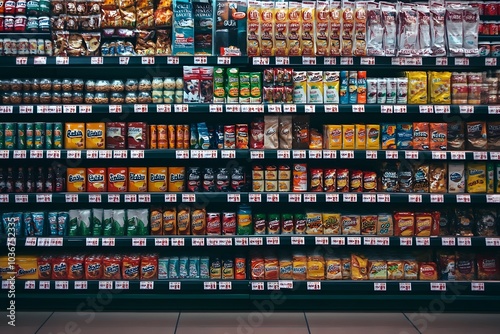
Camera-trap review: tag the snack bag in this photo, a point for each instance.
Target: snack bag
(421, 136)
(266, 28)
(389, 19)
(373, 137)
(471, 31)
(322, 24)
(331, 86)
(253, 29)
(74, 136)
(438, 29)
(476, 178)
(315, 86)
(454, 29)
(388, 136)
(359, 267)
(76, 179)
(335, 28)
(404, 136)
(95, 136)
(404, 224)
(438, 136)
(348, 138)
(351, 224)
(359, 48)
(456, 177)
(375, 37)
(424, 30)
(96, 180)
(294, 28)
(308, 28)
(347, 34)
(417, 87)
(137, 179)
(437, 178)
(377, 269)
(440, 87)
(281, 28)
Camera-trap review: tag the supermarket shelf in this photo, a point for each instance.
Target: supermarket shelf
(252, 154)
(249, 108)
(257, 287)
(285, 197)
(250, 241)
(489, 38)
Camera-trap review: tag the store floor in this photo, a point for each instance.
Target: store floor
(250, 323)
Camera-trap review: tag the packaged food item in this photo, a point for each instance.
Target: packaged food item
(343, 180)
(389, 181)
(315, 140)
(493, 135)
(377, 269)
(176, 179)
(388, 136)
(348, 137)
(411, 270)
(438, 136)
(437, 178)
(346, 267)
(408, 31)
(421, 183)
(316, 180)
(421, 140)
(242, 136)
(351, 224)
(404, 224)
(487, 267)
(369, 181)
(97, 180)
(271, 138)
(299, 86)
(356, 181)
(199, 222)
(95, 138)
(315, 87)
(300, 178)
(229, 223)
(174, 267)
(308, 28)
(300, 132)
(253, 29)
(137, 179)
(137, 135)
(464, 222)
(476, 135)
(423, 224)
(240, 268)
(456, 177)
(257, 134)
(271, 268)
(417, 87)
(440, 87)
(26, 267)
(169, 221)
(352, 81)
(74, 136)
(333, 140)
(347, 36)
(359, 267)
(402, 91)
(344, 87)
(465, 267)
(331, 86)
(314, 223)
(476, 177)
(184, 221)
(404, 135)
(373, 137)
(227, 269)
(369, 224)
(335, 28)
(285, 132)
(333, 269)
(257, 268)
(360, 136)
(315, 267)
(395, 270)
(266, 29)
(456, 137)
(381, 91)
(149, 267)
(330, 180)
(331, 223)
(391, 91)
(490, 178)
(117, 179)
(76, 179)
(438, 29)
(428, 271)
(300, 223)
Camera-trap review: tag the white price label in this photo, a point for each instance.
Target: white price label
(294, 198)
(346, 154)
(95, 198)
(144, 198)
(233, 198)
(113, 198)
(105, 154)
(200, 60)
(4, 154)
(43, 242)
(346, 61)
(386, 109)
(426, 109)
(422, 241)
(53, 154)
(442, 61)
(490, 61)
(285, 284)
(170, 198)
(480, 155)
(438, 155)
(148, 60)
(20, 154)
(42, 109)
(44, 285)
(448, 241)
(273, 198)
(21, 60)
(228, 154)
(411, 155)
(69, 109)
(315, 154)
(349, 198)
(391, 154)
(163, 108)
(223, 60)
(139, 242)
(62, 60)
(188, 198)
(92, 242)
(96, 61)
(197, 242)
(354, 241)
(210, 285)
(282, 60)
(404, 286)
(458, 155)
(369, 241)
(4, 198)
(464, 241)
(283, 154)
(463, 198)
(331, 108)
(105, 285)
(367, 61)
(260, 60)
(437, 198)
(81, 285)
(400, 109)
(438, 286)
(329, 154)
(178, 242)
(466, 109)
(332, 198)
(298, 241)
(337, 241)
(321, 240)
(272, 241)
(62, 285)
(310, 198)
(140, 108)
(369, 198)
(181, 108)
(299, 154)
(412, 198)
(174, 285)
(147, 285)
(308, 60)
(58, 242)
(492, 242)
(92, 154)
(72, 154)
(494, 110)
(461, 61)
(7, 284)
(36, 154)
(414, 61)
(256, 241)
(289, 108)
(310, 108)
(120, 154)
(441, 109)
(330, 61)
(254, 198)
(494, 155)
(240, 241)
(109, 242)
(257, 286)
(358, 108)
(371, 155)
(215, 108)
(21, 198)
(161, 242)
(182, 154)
(123, 60)
(492, 198)
(273, 286)
(30, 241)
(406, 241)
(122, 285)
(256, 154)
(316, 286)
(137, 154)
(233, 108)
(380, 286)
(477, 286)
(25, 109)
(130, 198)
(115, 109)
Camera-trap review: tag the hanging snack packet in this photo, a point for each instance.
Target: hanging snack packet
(438, 29)
(347, 28)
(294, 28)
(307, 36)
(97, 221)
(408, 31)
(266, 28)
(360, 29)
(375, 38)
(471, 31)
(84, 221)
(424, 30)
(253, 29)
(322, 23)
(74, 215)
(119, 220)
(281, 28)
(335, 27)
(454, 29)
(389, 14)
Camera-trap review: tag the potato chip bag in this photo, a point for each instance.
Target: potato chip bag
(359, 267)
(439, 87)
(417, 87)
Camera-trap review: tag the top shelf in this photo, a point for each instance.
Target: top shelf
(369, 62)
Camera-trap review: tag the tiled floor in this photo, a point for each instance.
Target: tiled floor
(249, 323)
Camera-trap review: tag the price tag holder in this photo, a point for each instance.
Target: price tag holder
(151, 60)
(321, 240)
(69, 109)
(457, 155)
(228, 154)
(294, 198)
(437, 198)
(123, 60)
(282, 60)
(72, 154)
(367, 61)
(480, 155)
(392, 155)
(283, 154)
(188, 198)
(215, 108)
(273, 286)
(182, 154)
(4, 154)
(113, 198)
(464, 241)
(92, 242)
(105, 154)
(400, 109)
(346, 60)
(406, 241)
(331, 108)
(122, 285)
(467, 109)
(308, 60)
(174, 286)
(240, 241)
(163, 108)
(44, 285)
(260, 60)
(477, 286)
(95, 198)
(40, 61)
(310, 198)
(346, 154)
(20, 154)
(369, 241)
(130, 198)
(492, 242)
(272, 198)
(178, 242)
(147, 285)
(105, 285)
(422, 241)
(438, 286)
(209, 285)
(337, 241)
(36, 154)
(137, 154)
(30, 242)
(310, 108)
(358, 108)
(254, 198)
(274, 108)
(448, 241)
(382, 241)
(314, 286)
(297, 241)
(495, 156)
(81, 285)
(108, 242)
(330, 61)
(233, 198)
(354, 241)
(299, 154)
(426, 109)
(26, 109)
(256, 155)
(286, 284)
(490, 61)
(198, 242)
(256, 241)
(369, 198)
(181, 108)
(144, 198)
(115, 109)
(161, 242)
(442, 109)
(349, 198)
(386, 109)
(382, 286)
(223, 60)
(404, 286)
(442, 61)
(329, 154)
(21, 60)
(21, 198)
(53, 154)
(334, 198)
(170, 198)
(438, 155)
(62, 285)
(272, 241)
(463, 198)
(412, 198)
(96, 61)
(461, 61)
(200, 60)
(139, 242)
(257, 286)
(371, 155)
(492, 198)
(290, 108)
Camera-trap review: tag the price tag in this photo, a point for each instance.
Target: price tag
(369, 241)
(493, 110)
(228, 154)
(54, 110)
(273, 198)
(25, 109)
(170, 198)
(151, 60)
(62, 60)
(188, 198)
(174, 285)
(310, 198)
(289, 108)
(400, 109)
(233, 108)
(438, 286)
(44, 285)
(492, 242)
(346, 60)
(113, 198)
(21, 198)
(332, 198)
(411, 155)
(404, 286)
(256, 154)
(123, 60)
(349, 198)
(492, 198)
(286, 284)
(215, 108)
(438, 155)
(163, 108)
(346, 154)
(441, 109)
(490, 61)
(30, 241)
(209, 285)
(386, 109)
(53, 154)
(382, 286)
(6, 284)
(254, 198)
(130, 198)
(115, 109)
(57, 242)
(233, 198)
(71, 154)
(92, 242)
(273, 286)
(4, 198)
(40, 61)
(138, 242)
(464, 241)
(298, 241)
(108, 242)
(272, 241)
(260, 60)
(315, 154)
(299, 154)
(461, 61)
(358, 108)
(457, 155)
(283, 154)
(466, 109)
(308, 60)
(178, 242)
(200, 60)
(140, 108)
(331, 108)
(162, 242)
(405, 241)
(354, 241)
(20, 154)
(480, 156)
(448, 241)
(36, 154)
(182, 154)
(122, 285)
(258, 286)
(294, 198)
(414, 61)
(144, 198)
(42, 109)
(463, 198)
(367, 61)
(223, 60)
(437, 198)
(316, 286)
(391, 155)
(105, 154)
(414, 198)
(255, 241)
(422, 241)
(181, 108)
(282, 60)
(172, 60)
(62, 285)
(442, 61)
(4, 154)
(337, 241)
(369, 198)
(147, 285)
(96, 61)
(95, 198)
(105, 285)
(120, 154)
(477, 286)
(137, 154)
(21, 60)
(309, 108)
(426, 109)
(241, 241)
(494, 155)
(321, 240)
(69, 109)
(81, 285)
(330, 61)
(92, 154)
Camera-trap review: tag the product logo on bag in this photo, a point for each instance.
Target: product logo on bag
(74, 134)
(75, 178)
(96, 178)
(44, 268)
(77, 267)
(420, 134)
(157, 177)
(474, 128)
(333, 268)
(94, 133)
(475, 171)
(112, 269)
(60, 267)
(373, 133)
(93, 267)
(116, 177)
(176, 177)
(132, 271)
(148, 269)
(137, 177)
(21, 271)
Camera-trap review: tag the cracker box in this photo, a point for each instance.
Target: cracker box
(137, 179)
(95, 136)
(158, 179)
(117, 179)
(74, 137)
(97, 180)
(76, 178)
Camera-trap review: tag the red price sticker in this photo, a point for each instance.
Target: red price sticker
(386, 109)
(256, 154)
(62, 285)
(44, 285)
(260, 61)
(411, 155)
(369, 198)
(170, 198)
(96, 61)
(151, 60)
(437, 198)
(467, 109)
(283, 154)
(62, 60)
(492, 198)
(438, 155)
(113, 198)
(36, 154)
(92, 242)
(105, 154)
(308, 60)
(463, 198)
(233, 198)
(19, 154)
(480, 155)
(369, 241)
(72, 154)
(441, 109)
(147, 285)
(458, 155)
(140, 108)
(285, 284)
(115, 109)
(346, 61)
(178, 242)
(337, 241)
(123, 60)
(69, 109)
(495, 155)
(461, 61)
(490, 61)
(4, 154)
(228, 154)
(233, 108)
(223, 60)
(30, 241)
(188, 198)
(144, 198)
(400, 109)
(426, 109)
(367, 61)
(448, 241)
(174, 285)
(217, 108)
(442, 61)
(92, 154)
(371, 155)
(477, 286)
(81, 285)
(321, 240)
(492, 242)
(21, 198)
(315, 154)
(139, 242)
(358, 108)
(299, 154)
(382, 241)
(310, 108)
(329, 154)
(137, 154)
(21, 60)
(53, 154)
(200, 60)
(330, 61)
(273, 286)
(120, 154)
(25, 109)
(209, 285)
(182, 154)
(105, 285)
(163, 108)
